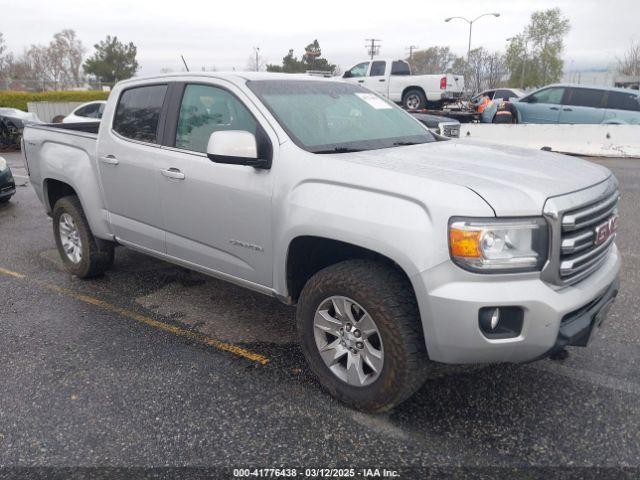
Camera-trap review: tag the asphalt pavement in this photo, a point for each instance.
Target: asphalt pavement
(154, 366)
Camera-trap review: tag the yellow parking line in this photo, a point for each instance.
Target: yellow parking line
(12, 273)
(199, 337)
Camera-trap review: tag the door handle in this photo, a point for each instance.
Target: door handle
(109, 159)
(173, 173)
(382, 80)
(554, 108)
(360, 81)
(567, 110)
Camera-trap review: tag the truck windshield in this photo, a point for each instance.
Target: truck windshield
(336, 117)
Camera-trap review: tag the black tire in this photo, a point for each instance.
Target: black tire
(386, 294)
(97, 254)
(412, 96)
(5, 199)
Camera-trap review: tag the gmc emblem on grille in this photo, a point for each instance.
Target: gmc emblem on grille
(605, 230)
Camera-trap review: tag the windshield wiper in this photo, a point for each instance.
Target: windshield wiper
(339, 150)
(403, 144)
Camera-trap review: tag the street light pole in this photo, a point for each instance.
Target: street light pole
(471, 22)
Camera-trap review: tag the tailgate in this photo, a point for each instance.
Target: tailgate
(455, 83)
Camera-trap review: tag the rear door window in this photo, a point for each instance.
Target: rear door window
(89, 111)
(138, 113)
(400, 68)
(623, 101)
(377, 68)
(503, 94)
(586, 97)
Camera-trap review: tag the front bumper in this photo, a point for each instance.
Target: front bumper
(577, 328)
(450, 299)
(7, 184)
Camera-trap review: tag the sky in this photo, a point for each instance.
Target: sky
(222, 34)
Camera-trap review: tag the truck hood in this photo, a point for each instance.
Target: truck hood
(513, 181)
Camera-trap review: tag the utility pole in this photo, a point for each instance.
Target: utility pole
(256, 50)
(411, 48)
(372, 46)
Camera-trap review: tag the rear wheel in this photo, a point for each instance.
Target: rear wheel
(82, 254)
(414, 100)
(360, 331)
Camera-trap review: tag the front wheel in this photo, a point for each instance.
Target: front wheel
(82, 254)
(360, 331)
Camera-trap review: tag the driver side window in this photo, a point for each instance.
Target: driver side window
(359, 70)
(206, 109)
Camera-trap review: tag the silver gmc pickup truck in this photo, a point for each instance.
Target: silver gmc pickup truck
(399, 247)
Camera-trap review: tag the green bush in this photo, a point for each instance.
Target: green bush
(19, 100)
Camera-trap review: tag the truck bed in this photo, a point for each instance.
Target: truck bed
(62, 152)
(86, 127)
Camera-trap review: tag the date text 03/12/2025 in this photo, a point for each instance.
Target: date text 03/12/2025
(315, 473)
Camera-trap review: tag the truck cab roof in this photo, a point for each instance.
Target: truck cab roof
(234, 77)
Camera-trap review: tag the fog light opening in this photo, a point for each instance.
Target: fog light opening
(500, 322)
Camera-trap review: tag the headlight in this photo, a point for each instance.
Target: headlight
(3, 164)
(499, 245)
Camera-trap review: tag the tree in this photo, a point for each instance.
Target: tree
(432, 60)
(4, 58)
(628, 65)
(535, 56)
(485, 70)
(56, 65)
(311, 60)
(113, 60)
(41, 66)
(66, 50)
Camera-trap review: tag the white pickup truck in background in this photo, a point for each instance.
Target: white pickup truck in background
(393, 79)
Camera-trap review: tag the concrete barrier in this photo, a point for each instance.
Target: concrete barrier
(47, 111)
(591, 140)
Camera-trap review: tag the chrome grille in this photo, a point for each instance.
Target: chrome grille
(576, 249)
(579, 254)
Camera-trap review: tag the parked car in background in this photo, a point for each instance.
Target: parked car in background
(12, 121)
(7, 183)
(399, 247)
(445, 126)
(393, 79)
(87, 112)
(575, 104)
(497, 94)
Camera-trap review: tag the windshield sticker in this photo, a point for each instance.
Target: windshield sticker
(374, 101)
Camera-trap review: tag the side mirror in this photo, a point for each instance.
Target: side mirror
(347, 74)
(235, 147)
